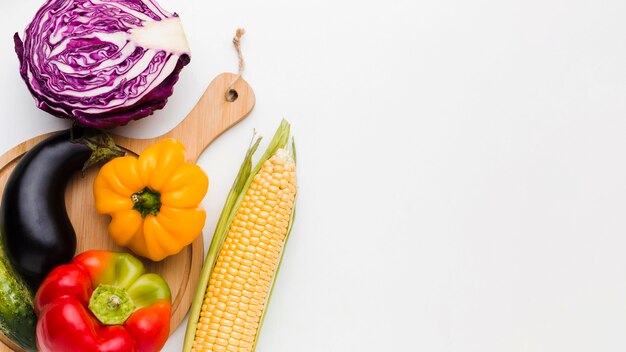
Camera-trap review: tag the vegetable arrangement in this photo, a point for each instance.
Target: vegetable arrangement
(245, 254)
(154, 200)
(102, 301)
(102, 63)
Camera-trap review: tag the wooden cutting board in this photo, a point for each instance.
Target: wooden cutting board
(211, 116)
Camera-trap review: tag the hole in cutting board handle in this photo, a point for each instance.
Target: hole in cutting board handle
(232, 95)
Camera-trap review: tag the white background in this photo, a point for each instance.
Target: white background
(461, 165)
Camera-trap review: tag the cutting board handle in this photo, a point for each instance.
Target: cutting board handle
(211, 116)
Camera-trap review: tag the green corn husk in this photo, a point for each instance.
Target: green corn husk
(240, 187)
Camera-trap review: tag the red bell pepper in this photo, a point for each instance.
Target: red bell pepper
(104, 302)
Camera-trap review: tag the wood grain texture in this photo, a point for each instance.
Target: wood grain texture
(209, 118)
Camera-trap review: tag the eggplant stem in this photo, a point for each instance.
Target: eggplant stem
(103, 147)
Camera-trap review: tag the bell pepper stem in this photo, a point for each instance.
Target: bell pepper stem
(114, 302)
(147, 201)
(111, 305)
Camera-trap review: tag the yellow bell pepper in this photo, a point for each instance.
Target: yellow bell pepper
(154, 200)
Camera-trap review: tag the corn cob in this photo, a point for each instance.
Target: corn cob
(245, 253)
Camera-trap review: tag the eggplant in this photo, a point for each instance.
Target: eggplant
(34, 224)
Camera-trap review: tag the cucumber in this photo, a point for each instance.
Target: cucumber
(17, 312)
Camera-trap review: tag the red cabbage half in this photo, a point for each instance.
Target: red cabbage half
(102, 63)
